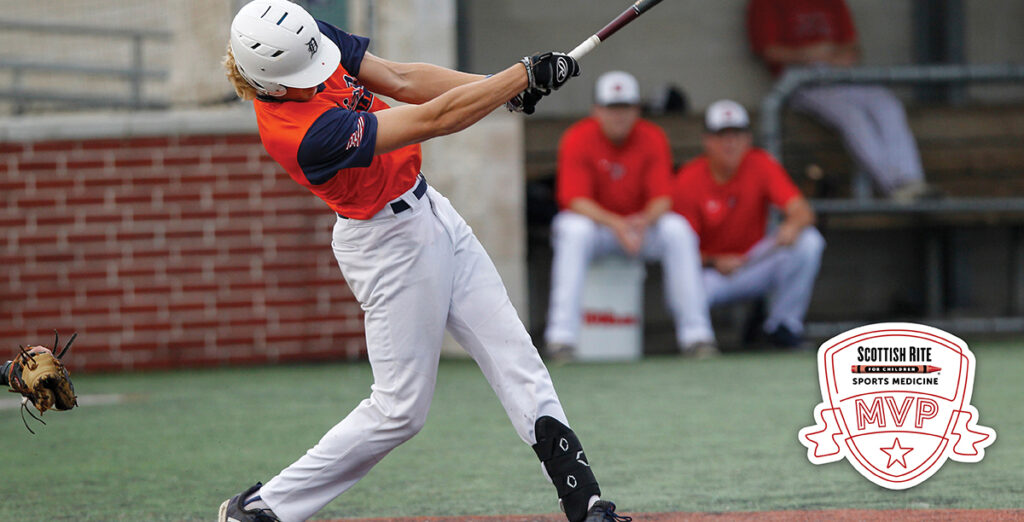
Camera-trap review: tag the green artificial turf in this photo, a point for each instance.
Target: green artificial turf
(664, 434)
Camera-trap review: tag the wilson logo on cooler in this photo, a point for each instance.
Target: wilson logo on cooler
(896, 403)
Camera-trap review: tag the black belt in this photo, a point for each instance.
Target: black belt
(399, 205)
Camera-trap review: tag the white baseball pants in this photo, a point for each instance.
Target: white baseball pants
(415, 273)
(577, 240)
(785, 274)
(873, 126)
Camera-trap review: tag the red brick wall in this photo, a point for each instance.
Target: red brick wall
(167, 252)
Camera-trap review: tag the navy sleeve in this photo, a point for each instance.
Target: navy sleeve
(338, 139)
(352, 47)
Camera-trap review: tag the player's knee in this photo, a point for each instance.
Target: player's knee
(674, 227)
(405, 418)
(569, 227)
(561, 453)
(407, 424)
(810, 243)
(886, 102)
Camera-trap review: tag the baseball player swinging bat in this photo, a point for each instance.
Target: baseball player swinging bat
(627, 16)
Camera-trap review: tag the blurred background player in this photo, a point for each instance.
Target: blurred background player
(725, 194)
(409, 258)
(614, 188)
(869, 118)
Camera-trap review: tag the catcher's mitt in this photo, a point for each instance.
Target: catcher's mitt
(42, 380)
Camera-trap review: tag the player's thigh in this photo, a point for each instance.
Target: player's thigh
(746, 283)
(669, 236)
(400, 272)
(836, 105)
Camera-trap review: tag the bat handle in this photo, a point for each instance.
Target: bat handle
(585, 47)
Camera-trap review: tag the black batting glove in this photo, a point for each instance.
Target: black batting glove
(530, 98)
(549, 71)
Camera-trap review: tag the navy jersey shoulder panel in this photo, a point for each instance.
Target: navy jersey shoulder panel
(338, 139)
(352, 47)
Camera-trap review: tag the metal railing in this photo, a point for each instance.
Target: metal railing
(135, 73)
(774, 102)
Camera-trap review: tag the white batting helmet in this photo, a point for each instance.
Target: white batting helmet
(277, 44)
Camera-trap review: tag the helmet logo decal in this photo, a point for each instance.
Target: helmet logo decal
(311, 46)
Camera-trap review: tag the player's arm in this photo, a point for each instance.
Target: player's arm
(467, 104)
(654, 209)
(410, 82)
(659, 184)
(627, 235)
(448, 113)
(593, 210)
(798, 214)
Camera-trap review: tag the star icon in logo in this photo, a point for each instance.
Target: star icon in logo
(897, 454)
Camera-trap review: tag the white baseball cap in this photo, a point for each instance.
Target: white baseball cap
(617, 88)
(726, 114)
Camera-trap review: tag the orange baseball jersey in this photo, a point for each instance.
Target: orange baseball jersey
(326, 144)
(620, 179)
(797, 23)
(731, 217)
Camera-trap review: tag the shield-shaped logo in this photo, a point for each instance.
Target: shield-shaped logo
(896, 402)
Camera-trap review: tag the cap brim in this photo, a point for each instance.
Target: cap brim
(728, 128)
(319, 70)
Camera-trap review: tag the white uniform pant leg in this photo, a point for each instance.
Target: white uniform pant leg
(891, 119)
(672, 242)
(483, 320)
(749, 281)
(839, 107)
(399, 268)
(794, 282)
(576, 241)
(785, 274)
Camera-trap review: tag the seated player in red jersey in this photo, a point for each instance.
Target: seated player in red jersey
(726, 194)
(410, 259)
(614, 186)
(869, 118)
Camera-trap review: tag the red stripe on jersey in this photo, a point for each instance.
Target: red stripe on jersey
(357, 136)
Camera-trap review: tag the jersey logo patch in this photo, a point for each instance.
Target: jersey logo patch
(357, 137)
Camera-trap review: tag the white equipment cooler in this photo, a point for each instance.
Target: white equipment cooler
(613, 321)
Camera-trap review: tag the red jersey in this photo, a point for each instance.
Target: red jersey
(731, 217)
(326, 144)
(620, 179)
(798, 23)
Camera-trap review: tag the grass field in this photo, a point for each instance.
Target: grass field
(665, 434)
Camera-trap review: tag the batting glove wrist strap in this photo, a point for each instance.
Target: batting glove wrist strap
(515, 104)
(531, 77)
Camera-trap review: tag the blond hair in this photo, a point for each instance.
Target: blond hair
(243, 88)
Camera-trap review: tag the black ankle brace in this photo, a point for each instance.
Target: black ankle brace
(562, 455)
